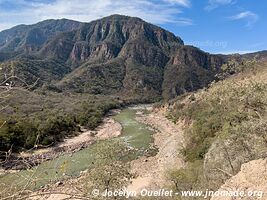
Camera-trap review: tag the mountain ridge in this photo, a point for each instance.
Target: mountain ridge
(117, 54)
(18, 37)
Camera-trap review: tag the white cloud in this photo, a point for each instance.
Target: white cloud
(183, 21)
(4, 26)
(158, 12)
(248, 16)
(216, 3)
(243, 15)
(185, 3)
(237, 51)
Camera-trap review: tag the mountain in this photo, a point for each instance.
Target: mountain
(260, 55)
(28, 38)
(114, 55)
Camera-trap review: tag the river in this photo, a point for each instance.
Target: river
(135, 134)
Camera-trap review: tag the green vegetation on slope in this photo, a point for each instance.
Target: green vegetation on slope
(33, 72)
(115, 55)
(44, 119)
(227, 128)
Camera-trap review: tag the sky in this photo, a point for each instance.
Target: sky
(215, 26)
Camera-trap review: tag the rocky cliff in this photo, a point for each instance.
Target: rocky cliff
(116, 54)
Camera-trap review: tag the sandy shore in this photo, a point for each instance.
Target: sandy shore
(109, 128)
(152, 172)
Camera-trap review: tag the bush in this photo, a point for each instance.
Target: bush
(224, 104)
(33, 118)
(17, 134)
(93, 112)
(188, 178)
(21, 133)
(55, 129)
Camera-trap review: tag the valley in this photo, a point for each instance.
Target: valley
(119, 103)
(68, 164)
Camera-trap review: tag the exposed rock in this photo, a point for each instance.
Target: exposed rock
(189, 69)
(225, 157)
(116, 54)
(252, 180)
(59, 183)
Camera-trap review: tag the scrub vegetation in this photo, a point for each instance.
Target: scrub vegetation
(226, 123)
(37, 119)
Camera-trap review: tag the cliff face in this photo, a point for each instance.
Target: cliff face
(116, 54)
(189, 69)
(111, 37)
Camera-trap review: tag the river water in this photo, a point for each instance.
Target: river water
(135, 134)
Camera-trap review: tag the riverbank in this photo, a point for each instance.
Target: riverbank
(142, 129)
(152, 172)
(61, 174)
(25, 160)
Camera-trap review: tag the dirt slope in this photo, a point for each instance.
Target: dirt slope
(252, 177)
(152, 172)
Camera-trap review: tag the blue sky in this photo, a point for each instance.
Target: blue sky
(216, 26)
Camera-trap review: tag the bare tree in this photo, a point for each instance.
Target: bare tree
(8, 83)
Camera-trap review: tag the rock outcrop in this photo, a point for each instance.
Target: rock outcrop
(251, 180)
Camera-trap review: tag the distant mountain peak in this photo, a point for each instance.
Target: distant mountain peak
(116, 54)
(21, 36)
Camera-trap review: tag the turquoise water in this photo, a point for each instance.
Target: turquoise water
(135, 134)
